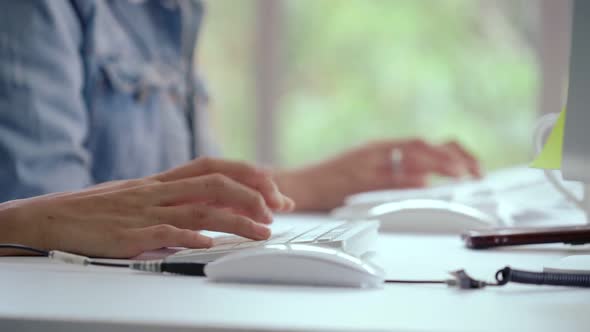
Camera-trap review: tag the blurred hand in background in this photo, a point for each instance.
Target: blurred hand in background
(374, 166)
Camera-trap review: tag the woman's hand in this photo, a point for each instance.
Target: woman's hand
(126, 218)
(374, 166)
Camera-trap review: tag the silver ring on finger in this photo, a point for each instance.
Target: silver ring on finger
(397, 158)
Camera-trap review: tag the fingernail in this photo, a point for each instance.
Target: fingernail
(477, 172)
(277, 200)
(456, 170)
(262, 232)
(267, 216)
(277, 192)
(209, 243)
(289, 204)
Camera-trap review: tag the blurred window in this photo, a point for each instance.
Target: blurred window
(355, 70)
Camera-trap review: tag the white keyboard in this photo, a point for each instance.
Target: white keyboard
(355, 238)
(515, 180)
(518, 196)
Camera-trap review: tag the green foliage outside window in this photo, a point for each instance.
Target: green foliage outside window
(356, 70)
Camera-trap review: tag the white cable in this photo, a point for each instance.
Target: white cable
(66, 257)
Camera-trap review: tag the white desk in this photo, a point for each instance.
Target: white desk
(36, 295)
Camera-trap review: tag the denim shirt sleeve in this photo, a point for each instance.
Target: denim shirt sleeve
(43, 118)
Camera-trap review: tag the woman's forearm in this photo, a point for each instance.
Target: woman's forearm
(13, 229)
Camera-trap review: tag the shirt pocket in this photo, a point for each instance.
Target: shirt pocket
(138, 126)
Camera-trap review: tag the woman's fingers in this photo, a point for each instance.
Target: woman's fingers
(251, 176)
(467, 158)
(160, 236)
(216, 189)
(202, 217)
(422, 157)
(409, 181)
(419, 157)
(105, 188)
(205, 166)
(416, 158)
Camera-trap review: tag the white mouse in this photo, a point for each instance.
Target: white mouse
(430, 216)
(296, 264)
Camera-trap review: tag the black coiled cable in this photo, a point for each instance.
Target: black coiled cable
(507, 274)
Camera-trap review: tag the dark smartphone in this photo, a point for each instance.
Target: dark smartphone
(520, 236)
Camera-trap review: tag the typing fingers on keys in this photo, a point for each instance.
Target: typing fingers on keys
(460, 153)
(203, 217)
(247, 174)
(215, 190)
(423, 158)
(137, 241)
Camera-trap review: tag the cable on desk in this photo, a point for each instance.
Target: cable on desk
(189, 269)
(61, 256)
(24, 248)
(69, 258)
(394, 281)
(508, 274)
(109, 264)
(192, 269)
(460, 278)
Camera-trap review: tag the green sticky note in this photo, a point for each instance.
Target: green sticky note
(550, 156)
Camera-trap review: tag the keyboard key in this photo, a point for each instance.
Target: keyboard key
(228, 239)
(283, 238)
(190, 252)
(226, 246)
(334, 233)
(314, 233)
(249, 244)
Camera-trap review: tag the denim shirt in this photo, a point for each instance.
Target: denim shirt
(92, 91)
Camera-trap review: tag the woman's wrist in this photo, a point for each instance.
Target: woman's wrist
(14, 230)
(318, 187)
(313, 188)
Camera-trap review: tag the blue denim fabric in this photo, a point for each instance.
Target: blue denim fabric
(92, 91)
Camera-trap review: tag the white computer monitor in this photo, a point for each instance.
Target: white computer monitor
(575, 163)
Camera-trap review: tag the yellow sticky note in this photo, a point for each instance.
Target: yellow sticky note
(550, 156)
